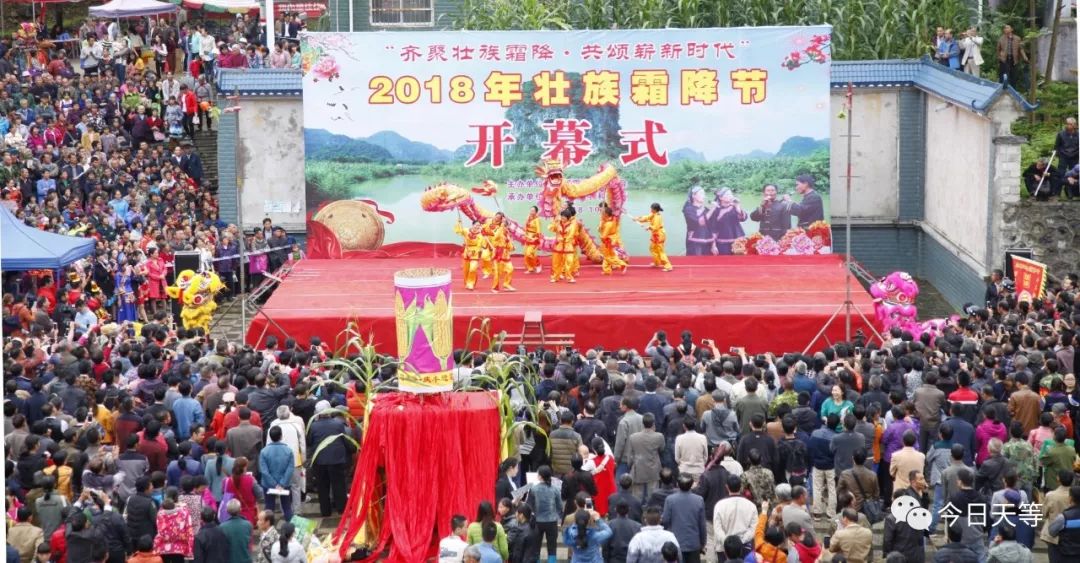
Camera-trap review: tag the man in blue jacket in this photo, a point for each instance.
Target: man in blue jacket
(824, 473)
(187, 412)
(276, 463)
(684, 516)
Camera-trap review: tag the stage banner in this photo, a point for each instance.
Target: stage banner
(727, 129)
(1030, 278)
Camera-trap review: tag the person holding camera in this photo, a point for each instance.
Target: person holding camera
(971, 45)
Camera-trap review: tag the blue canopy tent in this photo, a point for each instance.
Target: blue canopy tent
(23, 247)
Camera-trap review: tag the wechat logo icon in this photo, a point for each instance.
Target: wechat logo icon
(907, 509)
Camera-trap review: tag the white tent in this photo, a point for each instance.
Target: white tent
(132, 9)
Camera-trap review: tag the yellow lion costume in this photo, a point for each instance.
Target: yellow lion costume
(196, 291)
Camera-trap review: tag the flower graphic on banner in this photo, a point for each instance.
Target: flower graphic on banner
(800, 245)
(327, 68)
(818, 51)
(767, 247)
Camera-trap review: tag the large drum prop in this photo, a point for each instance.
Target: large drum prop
(425, 330)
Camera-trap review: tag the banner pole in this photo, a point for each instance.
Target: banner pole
(847, 219)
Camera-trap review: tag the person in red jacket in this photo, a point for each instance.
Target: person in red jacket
(190, 104)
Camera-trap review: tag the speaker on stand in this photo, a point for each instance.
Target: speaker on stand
(182, 260)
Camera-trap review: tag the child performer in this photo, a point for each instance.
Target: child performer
(562, 256)
(532, 241)
(610, 241)
(654, 222)
(501, 247)
(470, 257)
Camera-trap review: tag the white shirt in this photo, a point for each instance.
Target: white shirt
(452, 549)
(737, 516)
(691, 452)
(646, 545)
(292, 435)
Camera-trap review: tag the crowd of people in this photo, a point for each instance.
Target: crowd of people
(105, 151)
(128, 438)
(657, 456)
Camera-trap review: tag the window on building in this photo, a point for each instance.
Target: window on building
(403, 12)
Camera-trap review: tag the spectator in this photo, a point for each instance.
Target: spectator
(1042, 180)
(24, 536)
(905, 461)
(859, 482)
(546, 504)
(289, 549)
(1010, 51)
(649, 541)
(237, 531)
(586, 536)
(645, 448)
(684, 516)
(735, 515)
(1067, 145)
(823, 461)
(175, 539)
(276, 466)
(971, 46)
(623, 530)
(955, 551)
(852, 540)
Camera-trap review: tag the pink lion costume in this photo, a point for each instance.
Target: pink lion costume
(894, 305)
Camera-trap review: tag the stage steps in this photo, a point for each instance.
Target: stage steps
(533, 335)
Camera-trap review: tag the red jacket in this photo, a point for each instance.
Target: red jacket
(189, 103)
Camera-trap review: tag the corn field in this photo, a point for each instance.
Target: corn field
(862, 29)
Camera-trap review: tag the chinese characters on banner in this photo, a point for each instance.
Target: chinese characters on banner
(566, 140)
(387, 115)
(1030, 278)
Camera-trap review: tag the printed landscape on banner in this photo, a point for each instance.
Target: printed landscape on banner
(728, 129)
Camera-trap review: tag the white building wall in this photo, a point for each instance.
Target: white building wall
(271, 162)
(957, 186)
(874, 156)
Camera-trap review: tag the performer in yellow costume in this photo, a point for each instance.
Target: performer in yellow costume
(610, 241)
(470, 257)
(486, 254)
(562, 256)
(501, 247)
(580, 240)
(655, 223)
(532, 241)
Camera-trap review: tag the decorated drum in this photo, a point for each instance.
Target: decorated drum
(425, 330)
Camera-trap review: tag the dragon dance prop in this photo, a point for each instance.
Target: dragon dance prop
(447, 197)
(196, 291)
(425, 330)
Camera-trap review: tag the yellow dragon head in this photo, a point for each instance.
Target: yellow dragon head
(551, 171)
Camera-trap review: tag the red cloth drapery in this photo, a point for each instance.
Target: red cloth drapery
(437, 456)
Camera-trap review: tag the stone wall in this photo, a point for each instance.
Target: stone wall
(1050, 229)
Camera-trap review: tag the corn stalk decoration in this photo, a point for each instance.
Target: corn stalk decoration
(512, 384)
(887, 29)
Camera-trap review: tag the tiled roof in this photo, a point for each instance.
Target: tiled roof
(926, 75)
(260, 82)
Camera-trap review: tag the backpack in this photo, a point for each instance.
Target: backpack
(794, 454)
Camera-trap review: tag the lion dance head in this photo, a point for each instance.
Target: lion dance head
(196, 291)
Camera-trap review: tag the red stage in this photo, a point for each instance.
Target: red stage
(764, 303)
